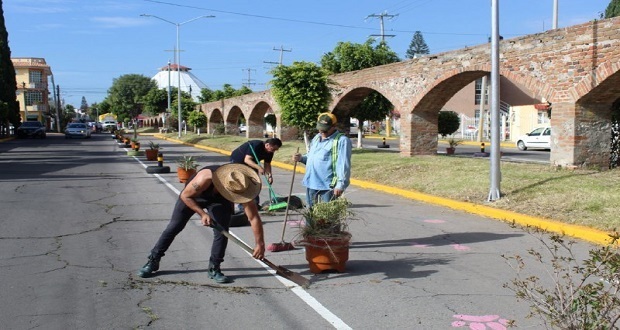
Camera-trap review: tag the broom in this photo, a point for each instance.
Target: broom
(273, 198)
(285, 246)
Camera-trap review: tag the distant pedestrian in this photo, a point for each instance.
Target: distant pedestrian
(328, 163)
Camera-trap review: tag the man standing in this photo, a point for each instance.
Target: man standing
(328, 163)
(210, 193)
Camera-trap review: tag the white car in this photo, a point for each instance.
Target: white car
(242, 128)
(539, 138)
(77, 130)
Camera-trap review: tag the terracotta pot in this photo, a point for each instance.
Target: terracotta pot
(450, 151)
(327, 253)
(151, 154)
(184, 174)
(135, 146)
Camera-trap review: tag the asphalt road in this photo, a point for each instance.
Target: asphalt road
(80, 216)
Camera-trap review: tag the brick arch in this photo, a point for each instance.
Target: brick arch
(256, 119)
(603, 86)
(232, 119)
(214, 118)
(348, 98)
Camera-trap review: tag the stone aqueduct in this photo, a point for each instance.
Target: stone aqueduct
(575, 68)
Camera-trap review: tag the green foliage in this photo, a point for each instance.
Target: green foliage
(454, 142)
(613, 9)
(448, 122)
(197, 119)
(84, 105)
(7, 77)
(302, 92)
(187, 162)
(347, 57)
(227, 91)
(127, 93)
(582, 295)
(327, 219)
(417, 46)
(153, 145)
(155, 101)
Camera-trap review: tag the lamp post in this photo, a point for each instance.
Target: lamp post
(178, 57)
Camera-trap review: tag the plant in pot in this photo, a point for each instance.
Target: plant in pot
(186, 167)
(325, 235)
(151, 152)
(452, 142)
(135, 144)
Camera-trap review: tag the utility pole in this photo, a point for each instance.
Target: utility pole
(495, 191)
(248, 82)
(380, 17)
(281, 50)
(555, 14)
(388, 123)
(58, 104)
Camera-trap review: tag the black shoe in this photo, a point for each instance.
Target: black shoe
(216, 274)
(149, 268)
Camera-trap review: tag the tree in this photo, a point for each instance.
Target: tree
(417, 45)
(448, 122)
(197, 119)
(302, 91)
(227, 91)
(155, 101)
(613, 9)
(10, 106)
(84, 106)
(349, 57)
(127, 94)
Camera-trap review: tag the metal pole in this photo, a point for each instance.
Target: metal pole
(494, 193)
(555, 14)
(169, 92)
(178, 52)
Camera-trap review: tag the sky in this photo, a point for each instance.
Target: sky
(89, 43)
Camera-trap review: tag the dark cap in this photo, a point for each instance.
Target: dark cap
(326, 121)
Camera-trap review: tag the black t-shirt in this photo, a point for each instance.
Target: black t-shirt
(238, 155)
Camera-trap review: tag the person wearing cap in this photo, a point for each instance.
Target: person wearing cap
(210, 193)
(328, 162)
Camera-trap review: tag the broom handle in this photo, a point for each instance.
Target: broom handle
(288, 202)
(272, 194)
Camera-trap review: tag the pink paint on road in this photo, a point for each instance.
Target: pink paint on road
(460, 247)
(421, 246)
(482, 322)
(435, 221)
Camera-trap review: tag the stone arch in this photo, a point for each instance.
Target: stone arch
(232, 120)
(256, 119)
(216, 118)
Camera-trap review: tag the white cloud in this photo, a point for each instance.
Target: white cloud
(118, 21)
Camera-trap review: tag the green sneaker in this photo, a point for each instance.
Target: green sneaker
(149, 268)
(216, 274)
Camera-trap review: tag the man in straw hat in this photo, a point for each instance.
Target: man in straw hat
(328, 162)
(211, 194)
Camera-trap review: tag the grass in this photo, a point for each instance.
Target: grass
(580, 196)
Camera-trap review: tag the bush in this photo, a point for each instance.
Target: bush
(582, 295)
(448, 122)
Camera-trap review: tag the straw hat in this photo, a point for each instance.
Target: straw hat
(238, 183)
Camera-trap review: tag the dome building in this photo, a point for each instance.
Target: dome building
(189, 82)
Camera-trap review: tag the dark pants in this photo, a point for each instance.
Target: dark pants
(219, 210)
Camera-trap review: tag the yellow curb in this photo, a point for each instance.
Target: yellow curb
(581, 232)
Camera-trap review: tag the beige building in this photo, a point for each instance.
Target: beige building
(32, 93)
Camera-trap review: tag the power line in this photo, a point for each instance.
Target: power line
(380, 17)
(249, 82)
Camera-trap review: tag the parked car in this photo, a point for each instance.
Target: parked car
(31, 129)
(77, 130)
(242, 128)
(539, 138)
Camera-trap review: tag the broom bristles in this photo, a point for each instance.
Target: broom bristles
(277, 247)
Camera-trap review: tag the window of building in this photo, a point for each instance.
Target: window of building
(34, 97)
(478, 92)
(36, 76)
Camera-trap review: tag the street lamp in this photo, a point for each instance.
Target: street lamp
(178, 57)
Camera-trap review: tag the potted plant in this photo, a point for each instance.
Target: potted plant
(135, 144)
(325, 235)
(151, 152)
(186, 167)
(453, 143)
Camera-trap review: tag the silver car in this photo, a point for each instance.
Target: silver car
(77, 130)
